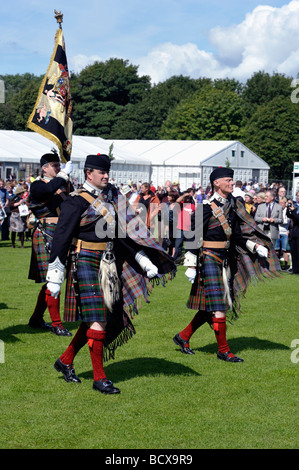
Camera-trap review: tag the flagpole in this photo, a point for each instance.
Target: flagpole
(52, 112)
(59, 18)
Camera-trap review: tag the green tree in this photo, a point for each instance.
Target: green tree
(100, 93)
(272, 133)
(143, 120)
(114, 80)
(15, 83)
(262, 88)
(229, 84)
(208, 114)
(20, 96)
(22, 104)
(96, 118)
(6, 117)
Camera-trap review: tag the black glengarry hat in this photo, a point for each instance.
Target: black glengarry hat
(98, 162)
(221, 172)
(48, 158)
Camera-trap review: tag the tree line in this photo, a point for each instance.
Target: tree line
(112, 101)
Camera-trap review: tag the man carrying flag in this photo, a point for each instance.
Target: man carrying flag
(51, 118)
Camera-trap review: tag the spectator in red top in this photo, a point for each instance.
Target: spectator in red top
(153, 189)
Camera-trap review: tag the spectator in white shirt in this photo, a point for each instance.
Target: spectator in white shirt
(237, 192)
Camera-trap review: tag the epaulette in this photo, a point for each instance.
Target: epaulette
(77, 192)
(85, 194)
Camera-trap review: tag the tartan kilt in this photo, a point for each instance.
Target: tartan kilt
(91, 296)
(39, 254)
(208, 294)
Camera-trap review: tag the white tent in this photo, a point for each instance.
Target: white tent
(189, 161)
(18, 149)
(186, 161)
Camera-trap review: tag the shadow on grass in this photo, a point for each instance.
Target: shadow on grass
(7, 244)
(142, 367)
(242, 343)
(9, 334)
(4, 306)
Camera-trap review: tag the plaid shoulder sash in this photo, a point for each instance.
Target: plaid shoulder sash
(219, 217)
(99, 206)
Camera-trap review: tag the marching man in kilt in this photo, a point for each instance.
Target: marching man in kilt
(233, 253)
(46, 195)
(109, 269)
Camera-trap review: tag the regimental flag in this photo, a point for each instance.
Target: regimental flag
(52, 113)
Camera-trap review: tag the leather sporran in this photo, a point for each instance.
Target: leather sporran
(108, 278)
(30, 221)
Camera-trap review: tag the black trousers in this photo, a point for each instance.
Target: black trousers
(5, 229)
(294, 245)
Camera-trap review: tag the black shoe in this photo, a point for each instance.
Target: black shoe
(67, 370)
(105, 386)
(39, 324)
(60, 331)
(181, 343)
(226, 357)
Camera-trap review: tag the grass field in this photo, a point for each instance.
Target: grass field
(168, 400)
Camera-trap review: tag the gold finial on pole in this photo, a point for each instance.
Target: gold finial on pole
(59, 17)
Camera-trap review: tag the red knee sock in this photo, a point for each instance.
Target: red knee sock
(54, 308)
(78, 341)
(95, 341)
(199, 319)
(41, 304)
(219, 326)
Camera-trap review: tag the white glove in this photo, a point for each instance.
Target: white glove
(146, 264)
(54, 288)
(68, 168)
(151, 271)
(262, 251)
(191, 274)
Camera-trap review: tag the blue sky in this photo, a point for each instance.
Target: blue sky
(163, 37)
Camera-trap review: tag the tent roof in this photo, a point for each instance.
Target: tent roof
(193, 153)
(176, 152)
(30, 146)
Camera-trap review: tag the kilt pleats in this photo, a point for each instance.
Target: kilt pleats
(91, 296)
(39, 253)
(208, 292)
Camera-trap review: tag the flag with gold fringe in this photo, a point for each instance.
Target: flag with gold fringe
(52, 113)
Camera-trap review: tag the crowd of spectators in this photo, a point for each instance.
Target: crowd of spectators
(167, 212)
(14, 210)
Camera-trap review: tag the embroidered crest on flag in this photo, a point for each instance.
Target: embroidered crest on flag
(52, 113)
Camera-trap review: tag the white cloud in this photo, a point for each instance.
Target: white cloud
(267, 39)
(169, 59)
(80, 61)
